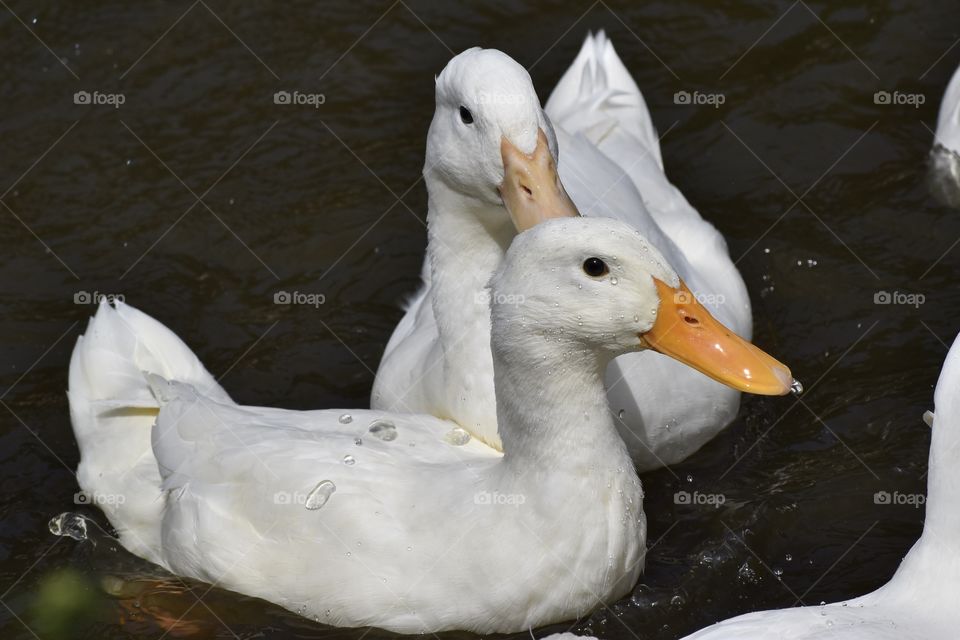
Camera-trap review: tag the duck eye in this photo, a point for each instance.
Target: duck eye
(595, 267)
(465, 115)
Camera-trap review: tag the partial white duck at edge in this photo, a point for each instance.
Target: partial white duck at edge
(437, 360)
(920, 601)
(369, 518)
(944, 173)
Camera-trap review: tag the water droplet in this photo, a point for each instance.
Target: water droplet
(621, 413)
(689, 478)
(69, 525)
(636, 318)
(349, 460)
(777, 571)
(796, 387)
(746, 574)
(457, 437)
(320, 494)
(358, 441)
(346, 418)
(613, 280)
(383, 430)
(788, 558)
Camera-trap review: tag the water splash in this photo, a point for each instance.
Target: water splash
(943, 176)
(346, 418)
(69, 525)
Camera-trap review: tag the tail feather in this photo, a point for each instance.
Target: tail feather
(597, 96)
(113, 408)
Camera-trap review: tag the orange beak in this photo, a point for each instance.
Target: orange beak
(685, 331)
(531, 188)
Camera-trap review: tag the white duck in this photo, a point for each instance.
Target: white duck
(488, 119)
(945, 155)
(393, 520)
(920, 601)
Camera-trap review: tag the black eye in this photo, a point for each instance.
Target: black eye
(595, 267)
(466, 116)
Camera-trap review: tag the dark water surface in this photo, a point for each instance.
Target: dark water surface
(819, 191)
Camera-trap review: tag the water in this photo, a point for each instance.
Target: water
(457, 437)
(383, 430)
(798, 473)
(319, 495)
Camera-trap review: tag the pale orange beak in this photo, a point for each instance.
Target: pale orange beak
(531, 189)
(685, 331)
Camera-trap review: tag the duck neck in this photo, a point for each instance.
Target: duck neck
(467, 242)
(552, 407)
(935, 559)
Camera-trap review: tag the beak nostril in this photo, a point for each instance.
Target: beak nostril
(691, 320)
(526, 190)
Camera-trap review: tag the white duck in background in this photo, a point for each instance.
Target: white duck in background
(397, 520)
(920, 601)
(945, 155)
(488, 131)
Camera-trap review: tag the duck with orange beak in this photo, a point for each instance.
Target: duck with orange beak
(493, 169)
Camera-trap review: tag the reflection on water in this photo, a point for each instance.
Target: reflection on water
(203, 201)
(944, 176)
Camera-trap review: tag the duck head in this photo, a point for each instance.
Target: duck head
(595, 286)
(491, 142)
